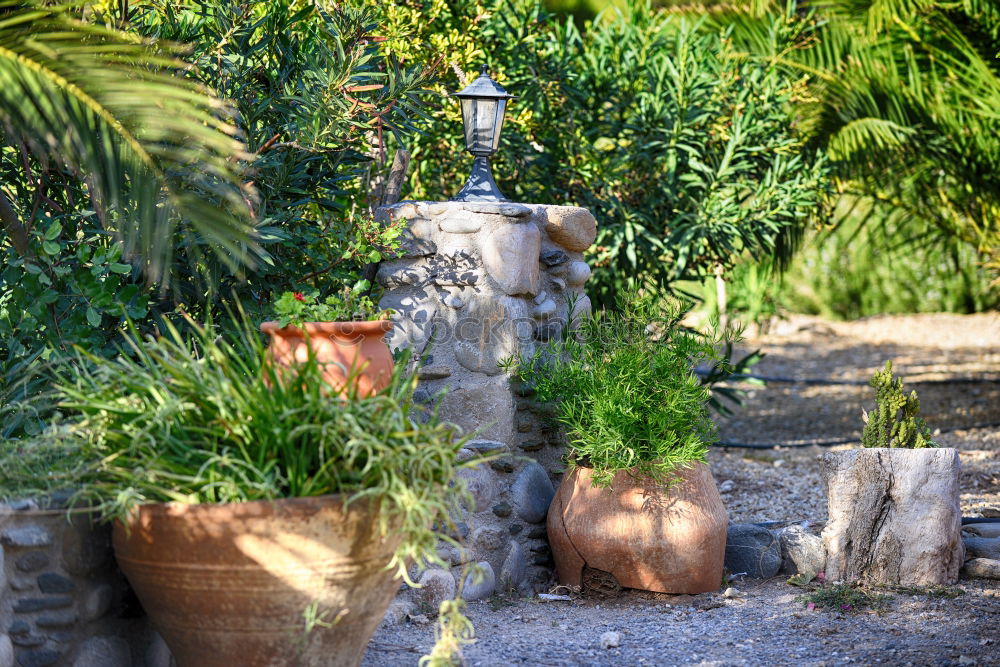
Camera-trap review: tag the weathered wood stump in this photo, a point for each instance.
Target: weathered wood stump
(894, 516)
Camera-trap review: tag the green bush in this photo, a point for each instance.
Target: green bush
(684, 151)
(625, 390)
(860, 269)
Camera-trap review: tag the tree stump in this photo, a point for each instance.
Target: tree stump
(894, 516)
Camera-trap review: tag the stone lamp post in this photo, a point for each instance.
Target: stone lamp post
(478, 280)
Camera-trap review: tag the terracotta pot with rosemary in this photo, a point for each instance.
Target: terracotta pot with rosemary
(639, 503)
(344, 332)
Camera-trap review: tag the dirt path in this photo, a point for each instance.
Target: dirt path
(767, 622)
(928, 351)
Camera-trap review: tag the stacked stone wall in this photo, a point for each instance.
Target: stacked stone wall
(478, 283)
(63, 601)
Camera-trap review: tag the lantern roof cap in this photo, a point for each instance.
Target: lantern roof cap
(484, 86)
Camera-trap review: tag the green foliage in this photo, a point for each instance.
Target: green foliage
(318, 104)
(203, 418)
(348, 304)
(154, 147)
(894, 422)
(867, 266)
(844, 598)
(683, 151)
(310, 93)
(902, 96)
(625, 390)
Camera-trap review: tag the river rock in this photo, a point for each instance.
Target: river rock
(6, 651)
(436, 585)
(982, 568)
(577, 273)
(982, 547)
(481, 485)
(433, 372)
(104, 652)
(25, 537)
(802, 552)
(532, 493)
(505, 209)
(552, 258)
(461, 224)
(158, 653)
(487, 538)
(481, 586)
(96, 602)
(982, 529)
(510, 257)
(571, 227)
(753, 550)
(514, 571)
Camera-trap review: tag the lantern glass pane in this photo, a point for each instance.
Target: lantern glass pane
(479, 116)
(498, 123)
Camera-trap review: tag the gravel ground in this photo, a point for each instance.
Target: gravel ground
(765, 623)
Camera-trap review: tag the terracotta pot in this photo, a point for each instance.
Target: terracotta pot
(669, 540)
(341, 348)
(231, 584)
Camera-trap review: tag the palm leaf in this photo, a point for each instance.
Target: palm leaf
(153, 146)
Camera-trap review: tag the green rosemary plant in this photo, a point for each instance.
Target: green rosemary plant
(625, 390)
(894, 421)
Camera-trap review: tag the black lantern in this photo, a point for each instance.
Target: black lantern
(483, 105)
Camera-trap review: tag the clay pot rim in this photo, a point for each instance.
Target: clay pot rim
(348, 328)
(239, 510)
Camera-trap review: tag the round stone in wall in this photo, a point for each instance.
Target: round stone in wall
(97, 602)
(104, 652)
(481, 485)
(436, 585)
(6, 651)
(571, 227)
(514, 569)
(532, 493)
(487, 538)
(484, 587)
(85, 547)
(158, 653)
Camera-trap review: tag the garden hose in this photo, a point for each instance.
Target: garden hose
(835, 441)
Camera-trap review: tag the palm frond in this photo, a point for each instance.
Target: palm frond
(154, 147)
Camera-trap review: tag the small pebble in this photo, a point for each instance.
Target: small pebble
(611, 639)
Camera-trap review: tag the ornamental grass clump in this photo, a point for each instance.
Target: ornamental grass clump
(202, 417)
(625, 390)
(894, 422)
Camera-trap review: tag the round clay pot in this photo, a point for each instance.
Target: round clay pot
(343, 349)
(233, 584)
(649, 536)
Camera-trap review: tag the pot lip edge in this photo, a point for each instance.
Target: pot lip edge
(342, 327)
(161, 510)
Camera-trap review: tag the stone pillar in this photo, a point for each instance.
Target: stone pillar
(63, 601)
(477, 283)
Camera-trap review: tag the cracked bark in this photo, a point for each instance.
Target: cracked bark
(894, 516)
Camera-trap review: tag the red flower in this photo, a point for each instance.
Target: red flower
(299, 296)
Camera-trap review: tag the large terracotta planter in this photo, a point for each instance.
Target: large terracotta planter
(343, 349)
(669, 540)
(232, 584)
